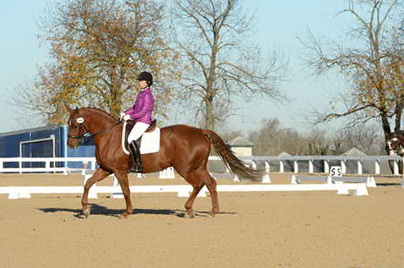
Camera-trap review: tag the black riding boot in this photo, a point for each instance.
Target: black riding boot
(137, 165)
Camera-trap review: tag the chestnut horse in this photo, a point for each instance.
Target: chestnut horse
(183, 147)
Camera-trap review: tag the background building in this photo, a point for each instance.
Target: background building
(50, 141)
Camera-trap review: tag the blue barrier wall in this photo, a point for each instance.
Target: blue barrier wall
(47, 141)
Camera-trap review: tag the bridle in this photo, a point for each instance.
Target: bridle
(83, 131)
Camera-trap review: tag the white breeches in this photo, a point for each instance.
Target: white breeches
(137, 131)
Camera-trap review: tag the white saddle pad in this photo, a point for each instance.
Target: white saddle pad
(150, 142)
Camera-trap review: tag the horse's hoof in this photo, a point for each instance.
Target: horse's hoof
(86, 212)
(124, 215)
(190, 214)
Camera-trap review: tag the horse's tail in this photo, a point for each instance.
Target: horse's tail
(235, 165)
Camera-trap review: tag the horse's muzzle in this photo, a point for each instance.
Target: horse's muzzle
(73, 145)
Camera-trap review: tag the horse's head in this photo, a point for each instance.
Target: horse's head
(85, 122)
(77, 128)
(395, 144)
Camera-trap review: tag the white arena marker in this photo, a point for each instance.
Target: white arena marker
(184, 190)
(371, 182)
(266, 179)
(362, 190)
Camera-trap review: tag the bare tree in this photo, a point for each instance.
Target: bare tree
(367, 138)
(273, 139)
(373, 65)
(97, 49)
(219, 64)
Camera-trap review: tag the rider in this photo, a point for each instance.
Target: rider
(141, 112)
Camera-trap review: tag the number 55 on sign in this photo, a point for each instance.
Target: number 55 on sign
(335, 171)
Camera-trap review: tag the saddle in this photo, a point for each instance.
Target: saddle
(129, 127)
(131, 124)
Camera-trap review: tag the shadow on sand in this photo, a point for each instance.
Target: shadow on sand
(388, 184)
(101, 210)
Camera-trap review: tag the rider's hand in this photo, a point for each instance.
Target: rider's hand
(121, 115)
(126, 117)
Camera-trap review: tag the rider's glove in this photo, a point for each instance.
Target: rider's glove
(126, 117)
(121, 115)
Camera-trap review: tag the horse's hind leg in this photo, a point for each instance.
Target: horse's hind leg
(198, 179)
(211, 185)
(98, 175)
(188, 205)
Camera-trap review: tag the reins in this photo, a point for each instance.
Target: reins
(88, 134)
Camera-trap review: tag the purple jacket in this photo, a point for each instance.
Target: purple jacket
(143, 107)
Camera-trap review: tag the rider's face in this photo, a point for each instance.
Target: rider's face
(142, 84)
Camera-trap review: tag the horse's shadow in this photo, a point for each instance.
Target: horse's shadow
(104, 211)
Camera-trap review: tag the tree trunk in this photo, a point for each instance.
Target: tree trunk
(210, 115)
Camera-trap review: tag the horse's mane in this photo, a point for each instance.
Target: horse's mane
(100, 110)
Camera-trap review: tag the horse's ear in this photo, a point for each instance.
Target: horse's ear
(68, 109)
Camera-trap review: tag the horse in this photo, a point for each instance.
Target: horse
(395, 143)
(185, 148)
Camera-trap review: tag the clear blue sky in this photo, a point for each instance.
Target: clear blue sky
(279, 24)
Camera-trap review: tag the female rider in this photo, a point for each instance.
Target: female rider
(141, 112)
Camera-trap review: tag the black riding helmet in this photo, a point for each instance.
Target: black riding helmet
(145, 76)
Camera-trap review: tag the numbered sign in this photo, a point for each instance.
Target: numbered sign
(335, 171)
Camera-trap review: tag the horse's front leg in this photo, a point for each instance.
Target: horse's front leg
(123, 181)
(98, 175)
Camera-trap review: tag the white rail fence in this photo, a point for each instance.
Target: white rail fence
(295, 164)
(57, 164)
(60, 165)
(326, 161)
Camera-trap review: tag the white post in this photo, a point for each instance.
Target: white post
(311, 166)
(343, 166)
(83, 171)
(360, 169)
(253, 164)
(295, 167)
(326, 167)
(266, 178)
(47, 164)
(20, 166)
(281, 166)
(396, 171)
(377, 166)
(267, 166)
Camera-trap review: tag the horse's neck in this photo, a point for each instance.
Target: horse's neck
(99, 121)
